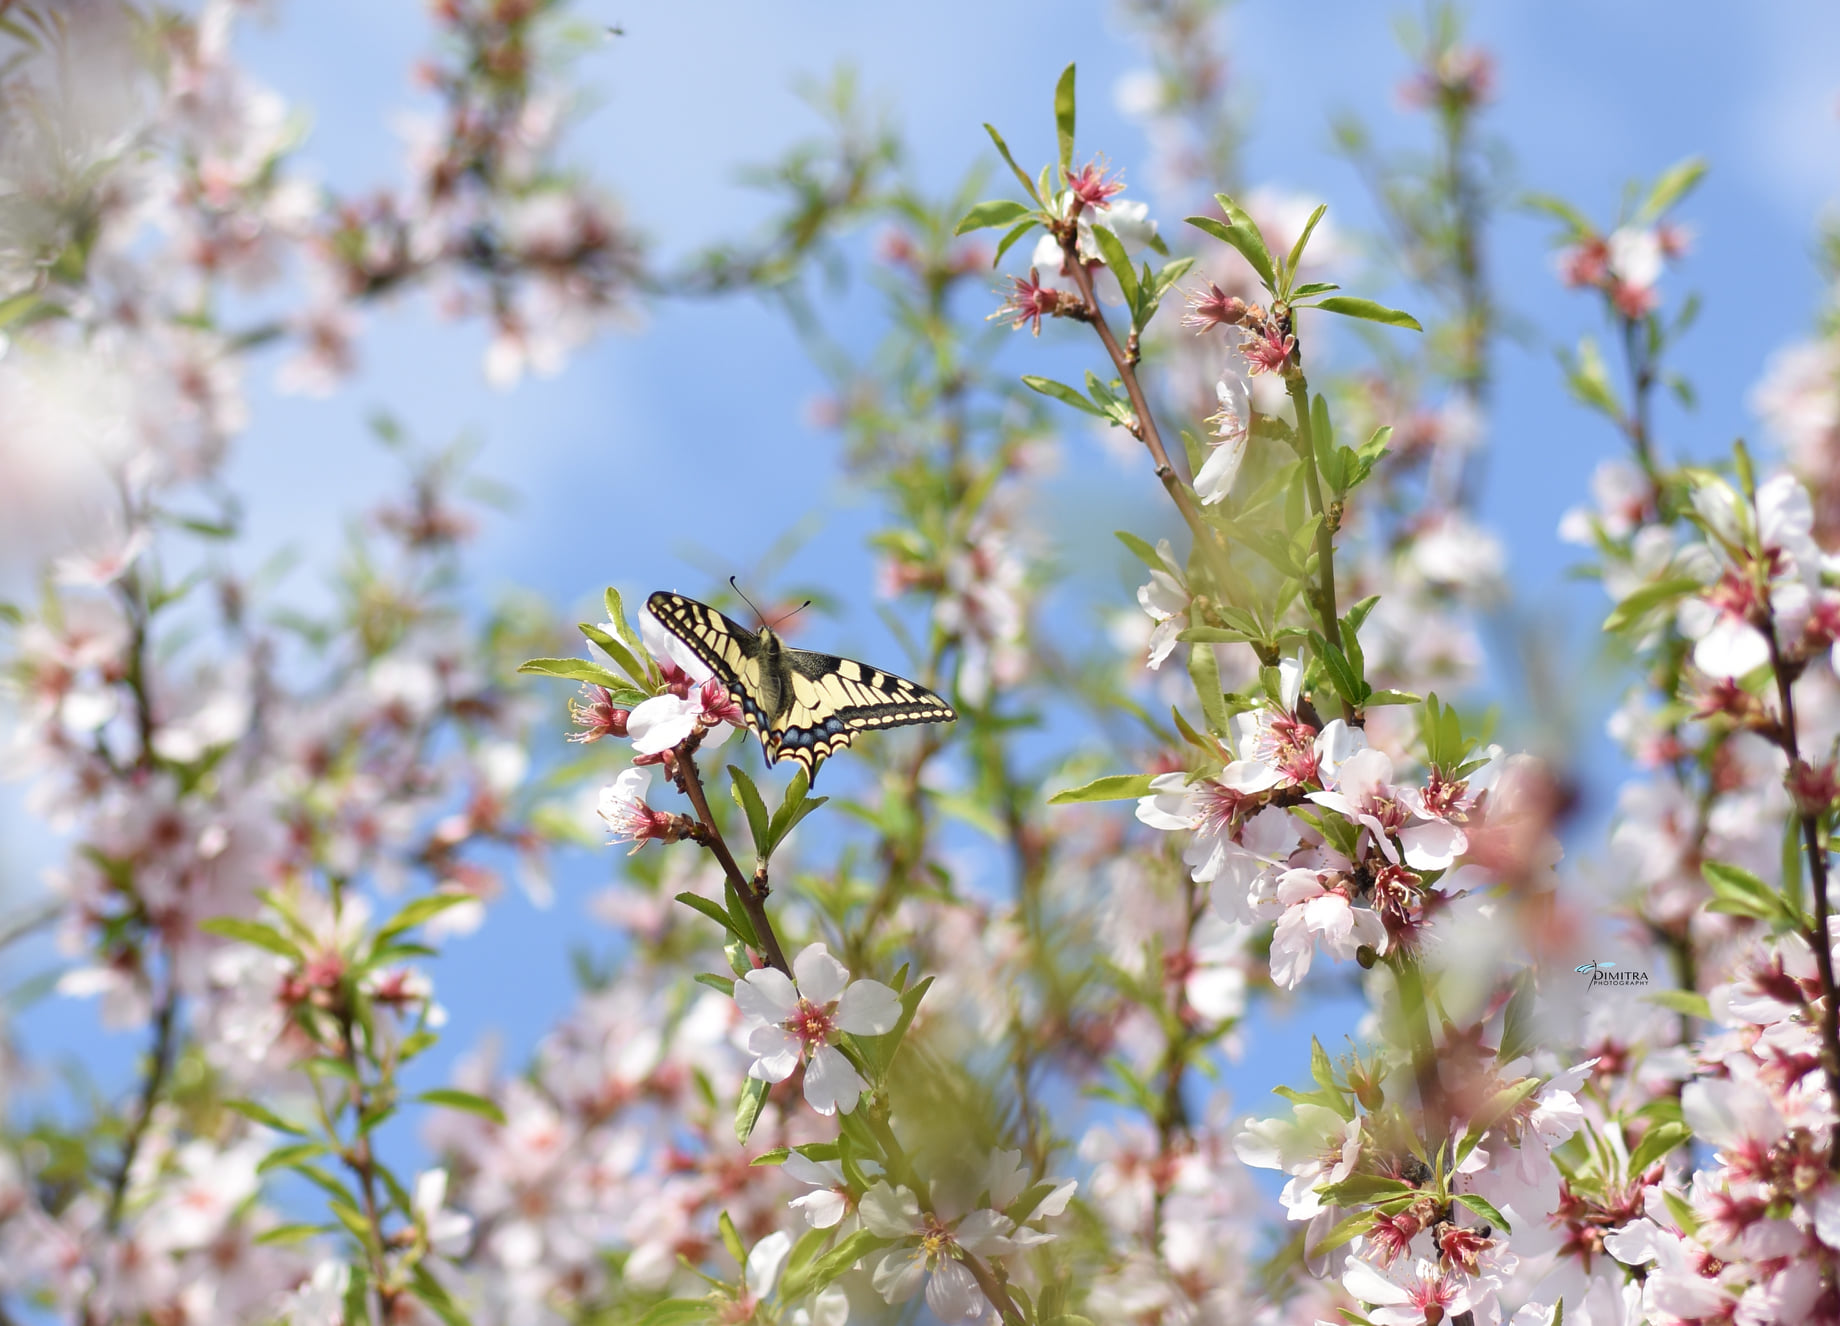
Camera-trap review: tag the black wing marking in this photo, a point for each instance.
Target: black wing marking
(729, 648)
(833, 699)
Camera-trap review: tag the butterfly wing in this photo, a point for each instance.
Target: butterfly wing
(732, 651)
(832, 699)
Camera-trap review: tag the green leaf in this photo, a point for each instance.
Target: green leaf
(282, 1234)
(616, 613)
(739, 922)
(996, 212)
(721, 984)
(290, 1155)
(453, 1099)
(17, 306)
(1120, 263)
(1656, 1143)
(747, 1109)
(1250, 246)
(1022, 175)
(266, 1117)
(1063, 393)
(1737, 892)
(794, 808)
(422, 909)
(1113, 787)
(1587, 379)
(747, 796)
(425, 1287)
(573, 669)
(1556, 207)
(1309, 228)
(1063, 117)
(615, 650)
(1146, 552)
(1482, 1208)
(253, 932)
(1689, 1002)
(1389, 697)
(1645, 600)
(713, 910)
(1519, 1029)
(678, 1312)
(1204, 672)
(1676, 182)
(1367, 310)
(1008, 241)
(731, 1239)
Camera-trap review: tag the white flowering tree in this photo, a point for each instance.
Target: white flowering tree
(949, 1034)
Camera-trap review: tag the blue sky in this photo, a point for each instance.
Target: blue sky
(707, 402)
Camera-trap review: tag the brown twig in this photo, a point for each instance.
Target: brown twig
(1819, 938)
(164, 1044)
(753, 899)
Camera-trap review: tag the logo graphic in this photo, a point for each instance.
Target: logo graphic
(1605, 973)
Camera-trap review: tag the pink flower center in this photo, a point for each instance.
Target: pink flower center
(935, 1239)
(1290, 748)
(811, 1024)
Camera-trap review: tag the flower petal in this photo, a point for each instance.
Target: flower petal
(831, 1084)
(821, 977)
(766, 996)
(868, 1008)
(952, 1293)
(888, 1212)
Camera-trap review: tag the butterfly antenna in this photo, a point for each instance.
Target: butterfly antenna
(759, 616)
(795, 612)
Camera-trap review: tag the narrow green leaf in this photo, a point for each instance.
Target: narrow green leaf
(1367, 310)
(573, 669)
(1145, 551)
(1303, 240)
(678, 1312)
(1063, 117)
(1690, 1002)
(1113, 787)
(712, 910)
(1656, 1143)
(747, 796)
(1676, 182)
(253, 932)
(1120, 264)
(722, 984)
(1022, 175)
(615, 650)
(996, 212)
(17, 306)
(1484, 1209)
(418, 910)
(1250, 246)
(289, 1155)
(1061, 392)
(283, 1234)
(1639, 603)
(453, 1099)
(747, 1109)
(1020, 229)
(266, 1117)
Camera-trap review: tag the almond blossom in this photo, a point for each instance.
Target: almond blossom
(787, 1021)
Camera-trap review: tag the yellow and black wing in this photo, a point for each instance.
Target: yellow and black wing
(732, 651)
(803, 706)
(832, 699)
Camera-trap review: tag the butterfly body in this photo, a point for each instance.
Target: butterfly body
(803, 706)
